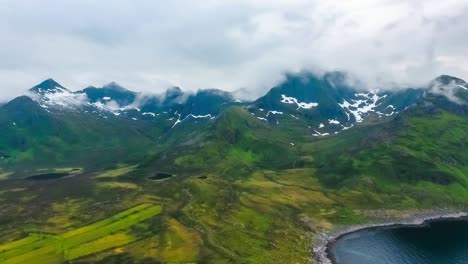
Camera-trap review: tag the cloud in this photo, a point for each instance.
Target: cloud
(450, 90)
(244, 44)
(63, 99)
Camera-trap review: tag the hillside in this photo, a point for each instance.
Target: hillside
(33, 137)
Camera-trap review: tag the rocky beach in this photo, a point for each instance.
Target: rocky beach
(324, 241)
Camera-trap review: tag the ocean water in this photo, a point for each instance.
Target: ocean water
(441, 242)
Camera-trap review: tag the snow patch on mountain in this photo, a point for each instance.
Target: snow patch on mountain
(273, 112)
(291, 100)
(55, 89)
(359, 107)
(190, 115)
(346, 128)
(318, 134)
(177, 121)
(63, 98)
(149, 113)
(463, 87)
(200, 116)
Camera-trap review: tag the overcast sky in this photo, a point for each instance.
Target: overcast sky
(150, 45)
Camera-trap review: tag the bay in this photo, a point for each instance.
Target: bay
(437, 242)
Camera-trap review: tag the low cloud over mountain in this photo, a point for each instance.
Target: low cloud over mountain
(149, 46)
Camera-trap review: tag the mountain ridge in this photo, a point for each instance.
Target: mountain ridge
(327, 104)
(306, 107)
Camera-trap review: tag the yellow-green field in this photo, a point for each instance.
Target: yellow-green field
(69, 170)
(120, 171)
(5, 175)
(103, 235)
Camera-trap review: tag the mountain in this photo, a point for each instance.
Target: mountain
(328, 104)
(173, 95)
(274, 125)
(446, 86)
(53, 125)
(325, 104)
(54, 128)
(202, 102)
(426, 143)
(112, 100)
(48, 86)
(53, 96)
(110, 92)
(450, 80)
(22, 122)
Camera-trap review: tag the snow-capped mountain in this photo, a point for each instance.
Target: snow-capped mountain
(112, 100)
(48, 86)
(52, 95)
(329, 105)
(180, 106)
(112, 92)
(323, 105)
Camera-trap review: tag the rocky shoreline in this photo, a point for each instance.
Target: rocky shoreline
(320, 249)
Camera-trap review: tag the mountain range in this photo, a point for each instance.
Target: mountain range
(51, 117)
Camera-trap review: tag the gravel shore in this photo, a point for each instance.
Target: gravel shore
(320, 249)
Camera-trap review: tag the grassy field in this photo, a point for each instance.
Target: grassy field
(100, 236)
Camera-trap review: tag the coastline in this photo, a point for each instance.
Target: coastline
(321, 246)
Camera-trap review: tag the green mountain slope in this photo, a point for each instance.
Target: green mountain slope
(234, 145)
(422, 153)
(34, 137)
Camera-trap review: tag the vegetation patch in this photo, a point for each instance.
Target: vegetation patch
(121, 171)
(48, 176)
(5, 175)
(116, 184)
(55, 173)
(100, 236)
(161, 176)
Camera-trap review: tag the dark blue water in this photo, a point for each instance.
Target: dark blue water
(442, 242)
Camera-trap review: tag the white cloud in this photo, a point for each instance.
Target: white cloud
(149, 45)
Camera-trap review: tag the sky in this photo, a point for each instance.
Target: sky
(230, 45)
